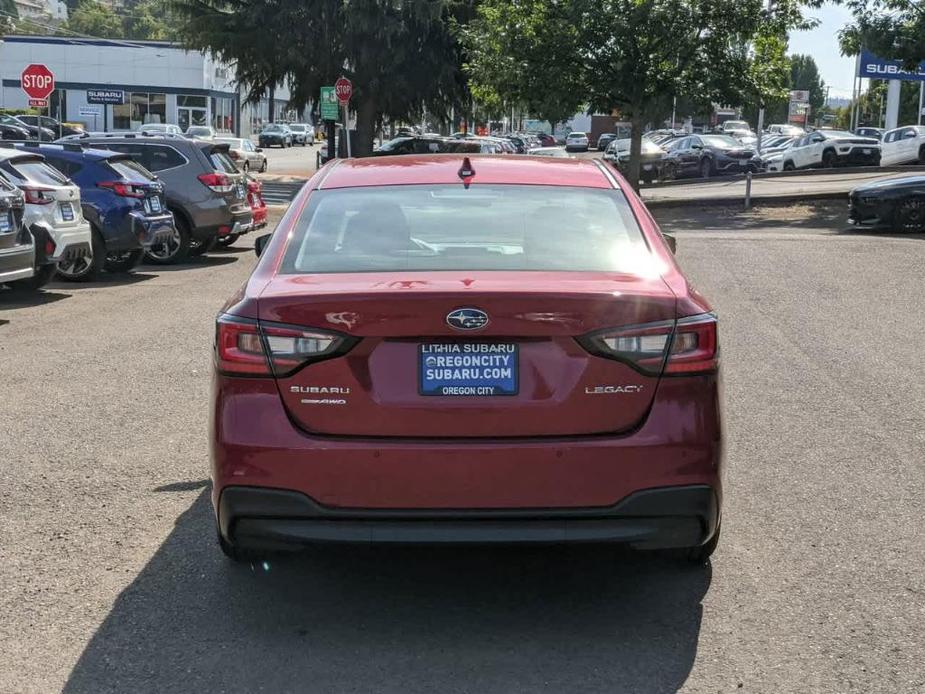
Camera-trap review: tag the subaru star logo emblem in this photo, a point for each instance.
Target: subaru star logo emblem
(467, 319)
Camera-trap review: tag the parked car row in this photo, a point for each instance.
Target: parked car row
(104, 203)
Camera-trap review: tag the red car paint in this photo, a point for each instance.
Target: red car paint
(562, 442)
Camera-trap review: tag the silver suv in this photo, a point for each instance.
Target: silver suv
(52, 213)
(17, 251)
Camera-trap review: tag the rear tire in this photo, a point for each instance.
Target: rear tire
(43, 275)
(922, 154)
(699, 555)
(246, 167)
(263, 167)
(910, 216)
(240, 554)
(202, 247)
(123, 262)
(788, 166)
(176, 248)
(88, 268)
(828, 159)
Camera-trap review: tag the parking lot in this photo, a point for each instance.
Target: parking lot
(110, 579)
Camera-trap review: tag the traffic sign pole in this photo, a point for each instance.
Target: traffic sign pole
(343, 88)
(347, 129)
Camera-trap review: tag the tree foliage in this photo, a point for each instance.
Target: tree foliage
(401, 56)
(892, 29)
(525, 54)
(142, 19)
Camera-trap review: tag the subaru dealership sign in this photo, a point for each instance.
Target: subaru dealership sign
(875, 67)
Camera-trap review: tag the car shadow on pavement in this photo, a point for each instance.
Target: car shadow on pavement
(233, 249)
(376, 619)
(818, 214)
(10, 299)
(106, 279)
(191, 263)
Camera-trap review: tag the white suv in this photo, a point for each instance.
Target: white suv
(828, 148)
(52, 213)
(903, 146)
(576, 142)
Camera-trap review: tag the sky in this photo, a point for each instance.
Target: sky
(822, 44)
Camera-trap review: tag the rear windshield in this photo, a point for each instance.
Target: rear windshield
(447, 227)
(130, 170)
(297, 128)
(36, 171)
(222, 162)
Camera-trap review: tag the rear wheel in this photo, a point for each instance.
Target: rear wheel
(263, 167)
(828, 159)
(247, 166)
(198, 248)
(240, 554)
(175, 248)
(42, 276)
(788, 166)
(922, 154)
(225, 241)
(706, 168)
(86, 268)
(123, 262)
(698, 555)
(910, 216)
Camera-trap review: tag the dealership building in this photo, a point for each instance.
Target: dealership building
(161, 83)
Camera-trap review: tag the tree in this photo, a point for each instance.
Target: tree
(893, 29)
(91, 18)
(804, 74)
(525, 53)
(400, 56)
(639, 53)
(9, 18)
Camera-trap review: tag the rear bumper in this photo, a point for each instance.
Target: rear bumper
(150, 231)
(17, 263)
(72, 242)
(856, 157)
(653, 518)
(254, 444)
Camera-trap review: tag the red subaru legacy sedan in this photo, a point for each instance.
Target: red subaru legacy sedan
(444, 349)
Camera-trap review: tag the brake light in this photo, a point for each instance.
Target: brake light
(126, 190)
(37, 196)
(217, 182)
(233, 154)
(245, 348)
(686, 346)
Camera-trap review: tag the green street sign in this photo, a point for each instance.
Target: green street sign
(329, 106)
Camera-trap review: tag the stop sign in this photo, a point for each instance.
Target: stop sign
(37, 81)
(344, 90)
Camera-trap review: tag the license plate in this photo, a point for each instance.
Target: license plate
(467, 368)
(67, 212)
(5, 224)
(865, 151)
(743, 162)
(647, 167)
(240, 192)
(155, 204)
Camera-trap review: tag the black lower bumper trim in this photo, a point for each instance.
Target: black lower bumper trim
(654, 518)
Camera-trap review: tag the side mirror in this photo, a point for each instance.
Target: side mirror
(258, 149)
(696, 146)
(260, 243)
(672, 242)
(909, 136)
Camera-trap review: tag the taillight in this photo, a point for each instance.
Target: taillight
(686, 346)
(244, 347)
(126, 190)
(217, 182)
(233, 154)
(37, 196)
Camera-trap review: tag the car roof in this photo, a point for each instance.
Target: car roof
(444, 168)
(71, 152)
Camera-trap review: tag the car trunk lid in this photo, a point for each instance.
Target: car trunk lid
(391, 383)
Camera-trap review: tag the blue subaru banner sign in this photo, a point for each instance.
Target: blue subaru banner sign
(105, 96)
(465, 368)
(875, 67)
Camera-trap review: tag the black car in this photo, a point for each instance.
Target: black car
(51, 125)
(895, 202)
(415, 144)
(16, 133)
(204, 189)
(709, 155)
(33, 132)
(275, 135)
(651, 158)
(604, 140)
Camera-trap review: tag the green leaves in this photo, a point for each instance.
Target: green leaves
(893, 29)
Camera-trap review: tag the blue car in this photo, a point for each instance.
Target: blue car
(122, 200)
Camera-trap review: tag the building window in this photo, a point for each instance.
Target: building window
(191, 110)
(223, 114)
(140, 108)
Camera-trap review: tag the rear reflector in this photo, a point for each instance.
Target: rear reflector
(686, 346)
(244, 347)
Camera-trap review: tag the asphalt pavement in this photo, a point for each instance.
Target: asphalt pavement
(110, 579)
